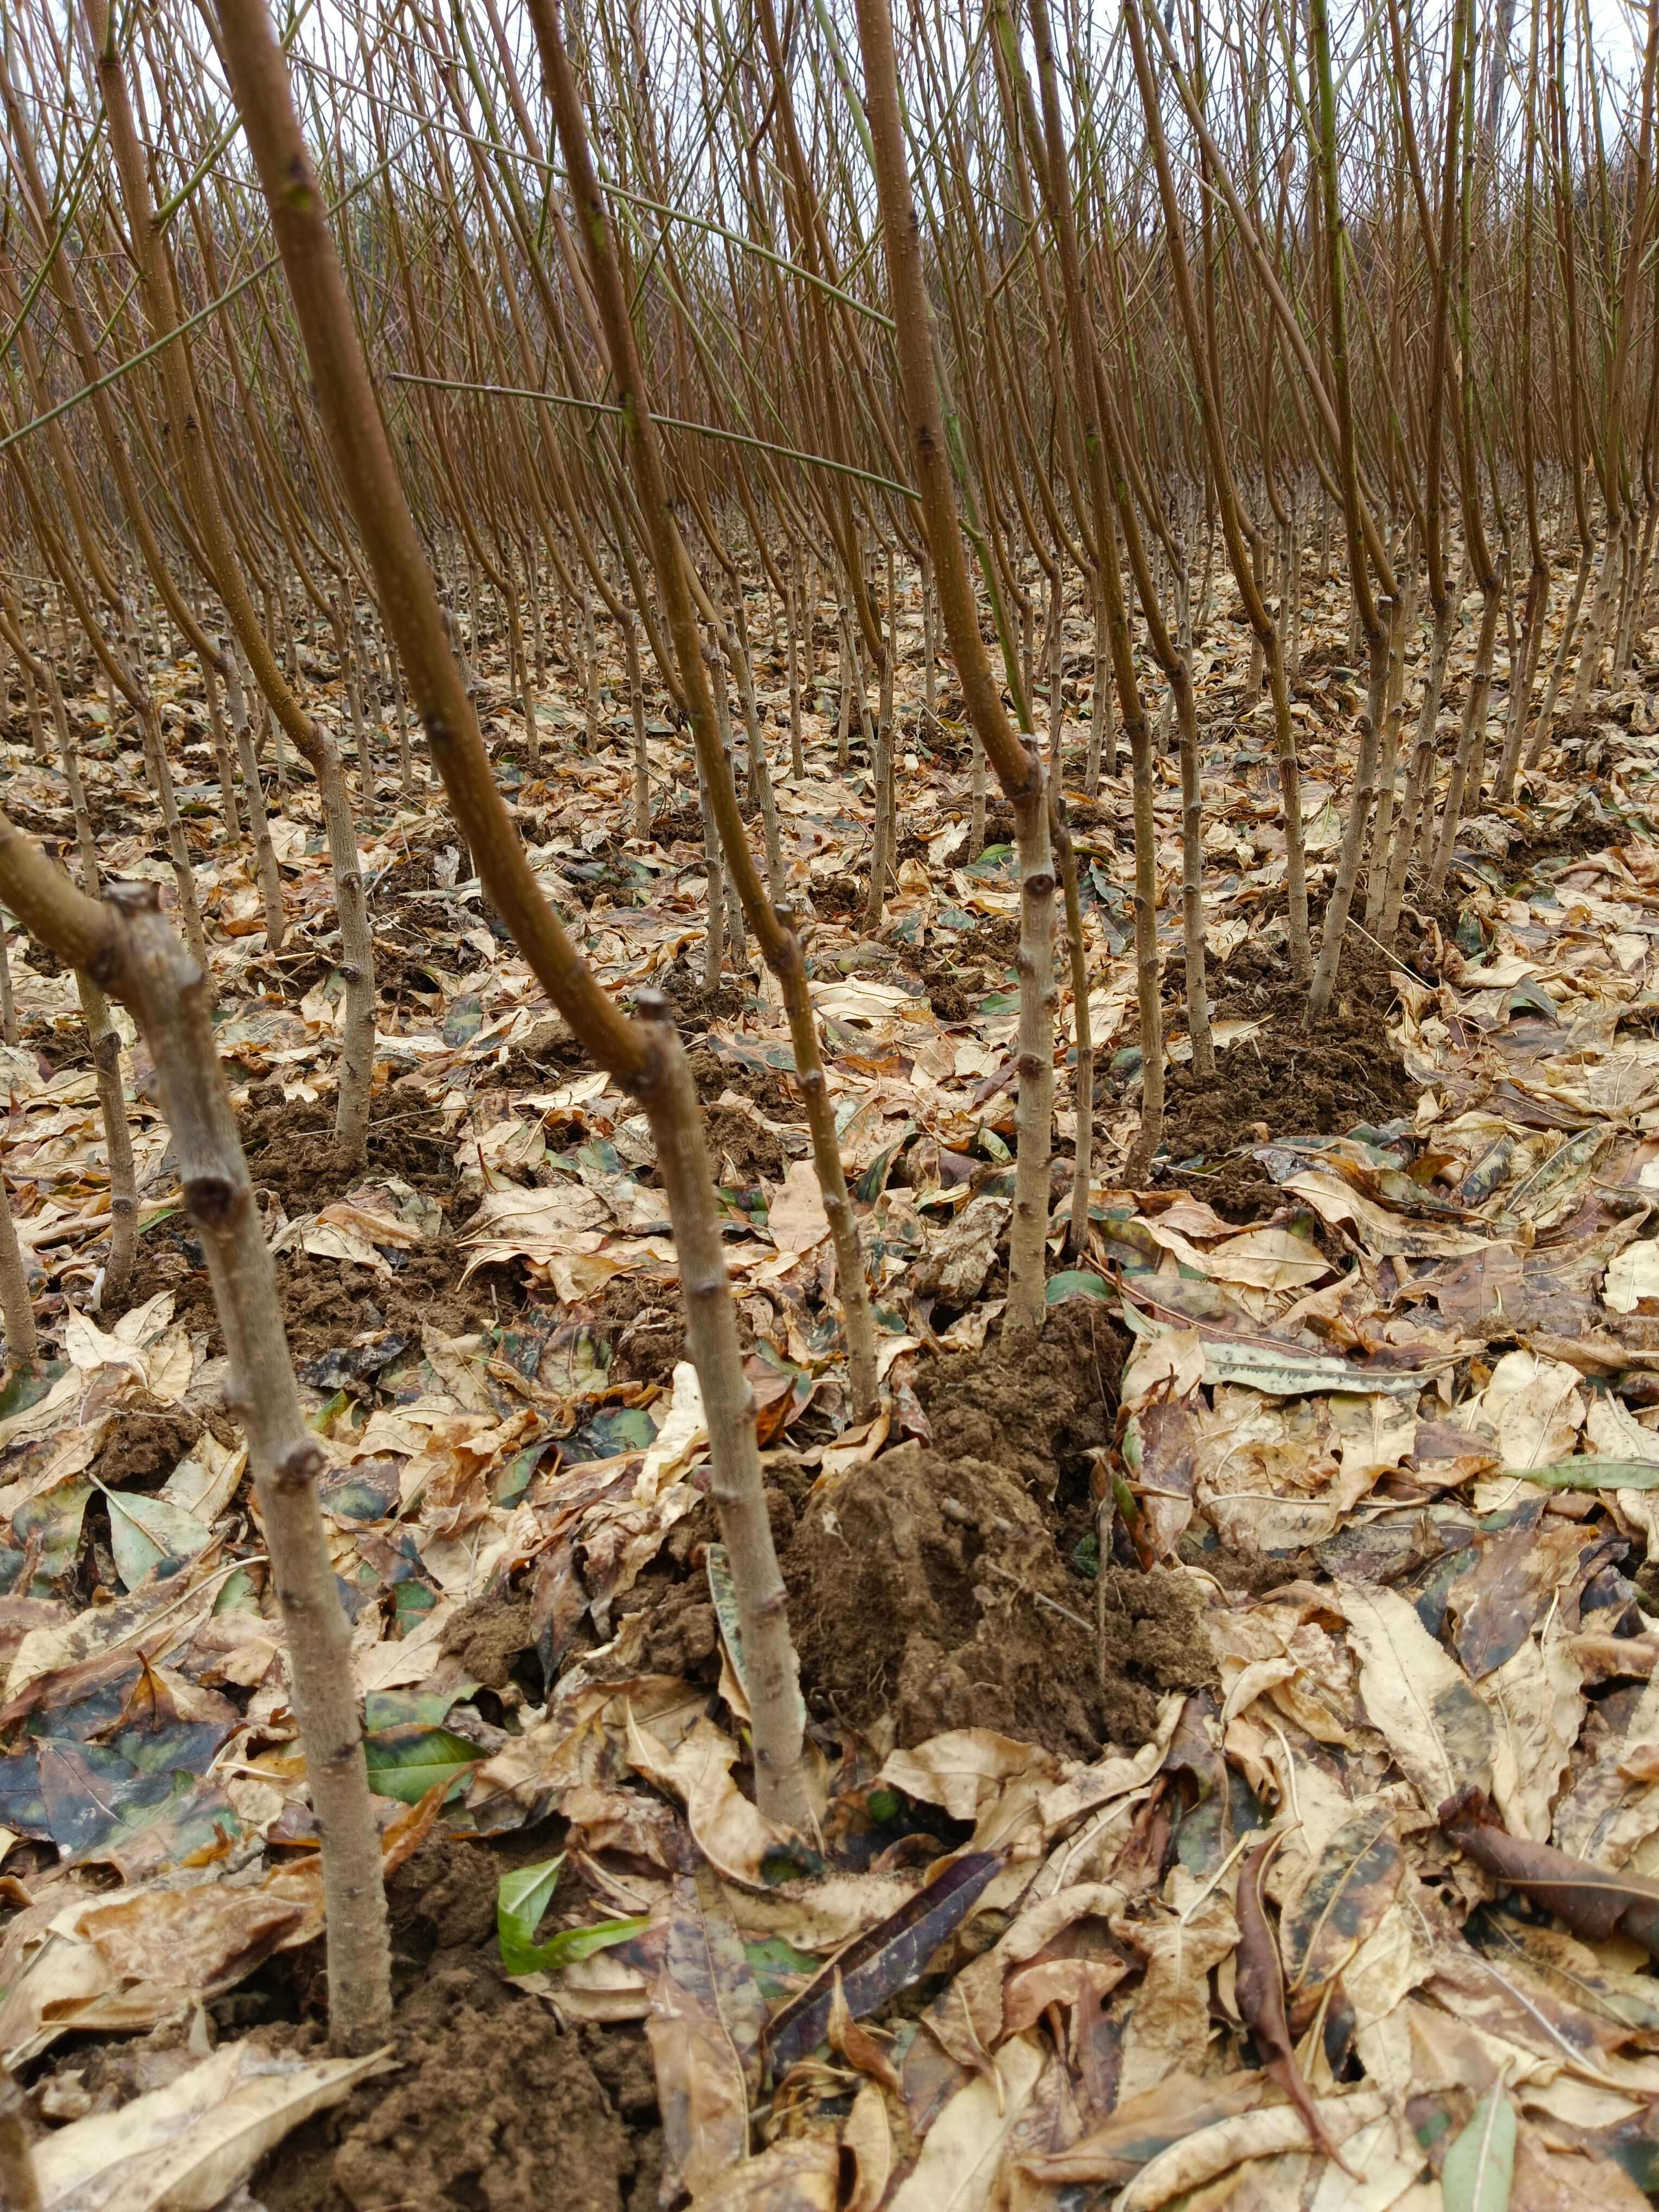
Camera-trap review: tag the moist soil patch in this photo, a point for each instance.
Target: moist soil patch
(291, 1152)
(493, 2109)
(640, 1318)
(545, 1059)
(839, 895)
(696, 1003)
(927, 1590)
(1040, 1414)
(713, 1072)
(1587, 829)
(1284, 1081)
(490, 2105)
(940, 978)
(736, 1140)
(144, 1446)
(325, 1304)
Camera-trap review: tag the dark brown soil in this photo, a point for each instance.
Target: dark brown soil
(940, 978)
(167, 1262)
(696, 1004)
(325, 1302)
(290, 1145)
(1587, 829)
(489, 2099)
(549, 1055)
(738, 1144)
(493, 2110)
(1285, 1081)
(682, 826)
(144, 1446)
(1039, 1416)
(640, 1317)
(713, 1072)
(927, 1589)
(839, 895)
(490, 1637)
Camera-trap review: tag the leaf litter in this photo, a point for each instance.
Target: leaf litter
(1314, 1826)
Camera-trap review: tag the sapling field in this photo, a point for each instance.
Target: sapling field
(829, 1274)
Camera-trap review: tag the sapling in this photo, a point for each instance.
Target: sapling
(643, 1055)
(124, 944)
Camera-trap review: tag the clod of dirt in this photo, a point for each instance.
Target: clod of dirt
(752, 1151)
(1587, 829)
(290, 1145)
(915, 1587)
(144, 1446)
(696, 1003)
(443, 1899)
(1040, 1414)
(490, 1637)
(546, 1058)
(1284, 1081)
(641, 1318)
(712, 1071)
(325, 1304)
(1154, 1640)
(496, 2110)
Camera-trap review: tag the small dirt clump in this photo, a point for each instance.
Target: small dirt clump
(1039, 1414)
(291, 1152)
(496, 2109)
(928, 1590)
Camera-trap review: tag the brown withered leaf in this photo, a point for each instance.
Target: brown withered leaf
(1341, 1897)
(704, 2029)
(1259, 1986)
(1592, 1902)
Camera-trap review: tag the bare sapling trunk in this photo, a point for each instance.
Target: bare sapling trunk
(883, 839)
(760, 774)
(1100, 702)
(1027, 1232)
(727, 769)
(160, 769)
(770, 1673)
(1543, 728)
(222, 764)
(641, 755)
(1401, 619)
(797, 618)
(714, 949)
(843, 722)
(589, 676)
(104, 1039)
(1632, 621)
(634, 1052)
(266, 873)
(929, 645)
(1522, 681)
(126, 943)
(1593, 651)
(1358, 821)
(976, 798)
(1470, 737)
(356, 1075)
(339, 616)
(7, 1004)
(1083, 1085)
(1144, 783)
(16, 1307)
(171, 997)
(1419, 783)
(1056, 673)
(406, 757)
